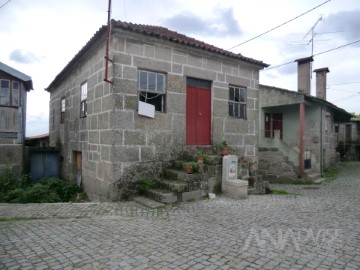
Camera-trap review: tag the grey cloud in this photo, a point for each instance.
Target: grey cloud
(288, 69)
(23, 57)
(224, 24)
(346, 22)
(37, 124)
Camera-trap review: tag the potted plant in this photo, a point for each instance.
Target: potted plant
(191, 167)
(224, 148)
(201, 157)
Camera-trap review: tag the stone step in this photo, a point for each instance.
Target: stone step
(173, 185)
(181, 175)
(162, 195)
(148, 202)
(179, 164)
(194, 195)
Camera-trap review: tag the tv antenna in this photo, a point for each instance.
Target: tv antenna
(313, 34)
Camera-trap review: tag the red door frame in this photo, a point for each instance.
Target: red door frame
(198, 116)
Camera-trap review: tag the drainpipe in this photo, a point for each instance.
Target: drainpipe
(107, 45)
(321, 141)
(301, 143)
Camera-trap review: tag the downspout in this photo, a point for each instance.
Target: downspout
(108, 30)
(301, 143)
(321, 141)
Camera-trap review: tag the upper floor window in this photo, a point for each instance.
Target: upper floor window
(152, 89)
(62, 113)
(237, 102)
(10, 93)
(83, 100)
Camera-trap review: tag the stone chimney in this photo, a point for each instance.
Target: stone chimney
(321, 82)
(304, 73)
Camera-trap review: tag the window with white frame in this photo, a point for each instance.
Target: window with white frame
(83, 100)
(10, 93)
(62, 113)
(237, 102)
(152, 89)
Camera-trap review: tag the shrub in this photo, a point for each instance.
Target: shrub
(145, 184)
(47, 190)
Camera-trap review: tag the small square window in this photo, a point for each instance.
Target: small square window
(237, 102)
(5, 93)
(152, 89)
(62, 113)
(83, 100)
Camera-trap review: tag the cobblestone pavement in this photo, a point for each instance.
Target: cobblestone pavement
(316, 229)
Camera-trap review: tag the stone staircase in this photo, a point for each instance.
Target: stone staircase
(175, 185)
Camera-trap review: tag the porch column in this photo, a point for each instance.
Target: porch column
(301, 143)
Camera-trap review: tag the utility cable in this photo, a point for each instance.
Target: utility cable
(272, 29)
(333, 49)
(3, 5)
(348, 97)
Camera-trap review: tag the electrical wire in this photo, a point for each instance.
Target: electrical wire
(272, 29)
(358, 93)
(3, 5)
(333, 49)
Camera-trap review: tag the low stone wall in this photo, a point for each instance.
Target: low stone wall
(12, 155)
(274, 166)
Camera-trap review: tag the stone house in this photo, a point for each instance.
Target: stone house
(14, 86)
(164, 92)
(297, 131)
(348, 139)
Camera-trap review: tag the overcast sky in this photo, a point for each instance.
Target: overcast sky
(39, 37)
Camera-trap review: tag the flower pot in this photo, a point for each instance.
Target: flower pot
(224, 151)
(201, 160)
(189, 170)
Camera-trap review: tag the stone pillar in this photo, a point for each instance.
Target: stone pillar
(304, 73)
(321, 82)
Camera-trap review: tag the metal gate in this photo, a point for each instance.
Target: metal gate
(44, 164)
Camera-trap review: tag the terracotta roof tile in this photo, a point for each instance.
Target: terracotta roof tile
(166, 34)
(157, 32)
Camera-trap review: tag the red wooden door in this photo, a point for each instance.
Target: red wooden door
(277, 123)
(198, 116)
(267, 125)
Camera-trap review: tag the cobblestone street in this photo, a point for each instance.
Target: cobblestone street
(316, 228)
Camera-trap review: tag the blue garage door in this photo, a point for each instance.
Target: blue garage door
(43, 165)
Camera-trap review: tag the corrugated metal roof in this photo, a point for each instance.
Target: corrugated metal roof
(17, 74)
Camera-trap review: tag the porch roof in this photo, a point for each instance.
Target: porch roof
(340, 115)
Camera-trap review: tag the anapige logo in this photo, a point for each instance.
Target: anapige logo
(294, 239)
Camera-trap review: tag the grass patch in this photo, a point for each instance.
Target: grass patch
(281, 192)
(16, 219)
(331, 173)
(293, 182)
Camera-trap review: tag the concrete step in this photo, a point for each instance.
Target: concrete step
(319, 180)
(162, 195)
(312, 176)
(173, 185)
(148, 202)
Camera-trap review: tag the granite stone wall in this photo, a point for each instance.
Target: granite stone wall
(113, 137)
